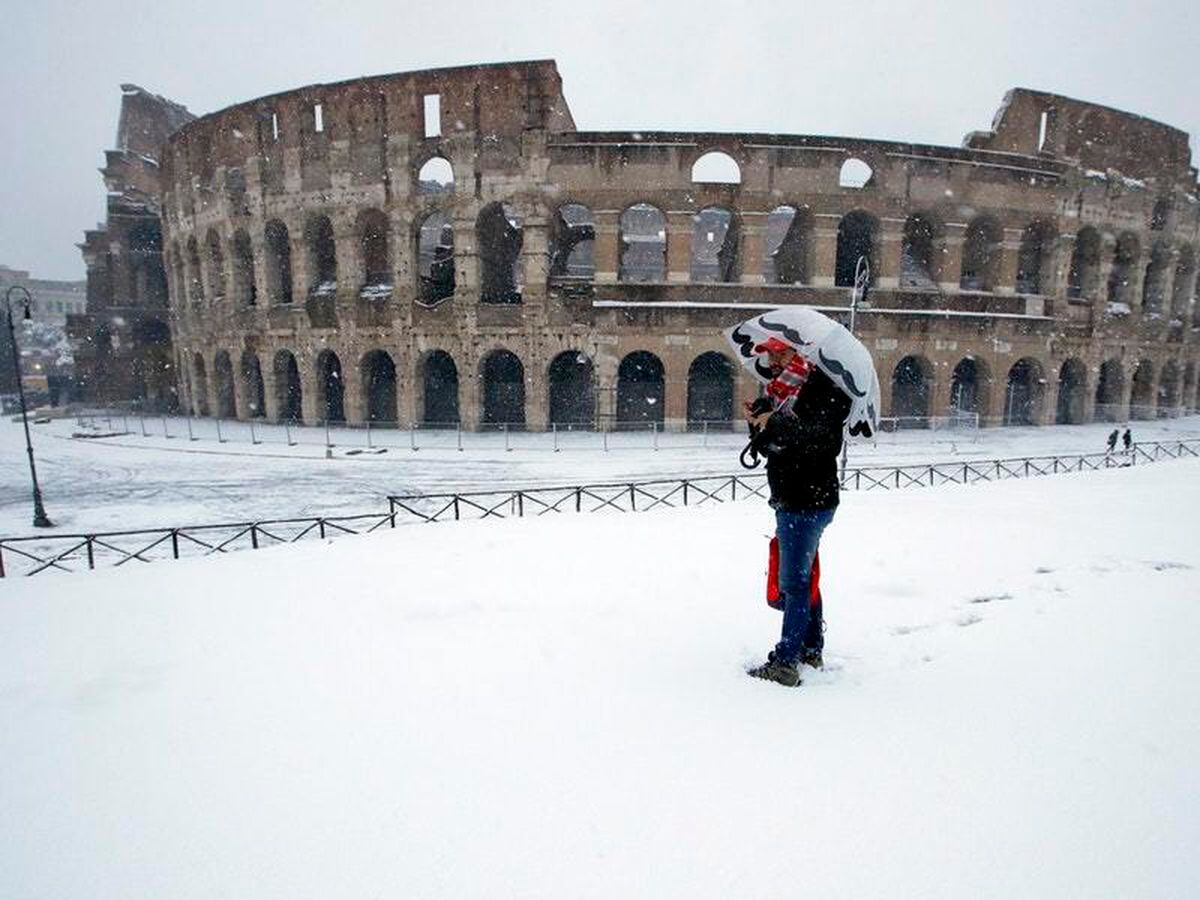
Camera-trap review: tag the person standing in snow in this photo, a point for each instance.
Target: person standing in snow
(1112, 440)
(800, 439)
(1127, 440)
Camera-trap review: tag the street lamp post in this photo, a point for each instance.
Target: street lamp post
(39, 512)
(858, 295)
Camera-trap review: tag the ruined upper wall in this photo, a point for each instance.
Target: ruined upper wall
(147, 120)
(1092, 136)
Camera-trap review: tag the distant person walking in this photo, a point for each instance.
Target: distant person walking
(1112, 440)
(1127, 440)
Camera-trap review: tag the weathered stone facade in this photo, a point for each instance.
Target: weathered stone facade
(320, 268)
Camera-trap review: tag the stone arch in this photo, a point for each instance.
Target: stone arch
(921, 252)
(435, 258)
(199, 386)
(572, 243)
(289, 393)
(1072, 392)
(502, 380)
(788, 256)
(154, 359)
(499, 236)
(1168, 389)
(970, 387)
(436, 176)
(1121, 277)
(373, 248)
(1184, 283)
(195, 280)
(1024, 393)
(716, 167)
(1035, 259)
(216, 266)
(379, 387)
(1141, 393)
(331, 388)
(641, 390)
(278, 247)
(855, 174)
(572, 384)
(1110, 392)
(714, 245)
(710, 392)
(322, 255)
(643, 244)
(912, 388)
(223, 375)
(1084, 275)
(857, 236)
(981, 255)
(253, 393)
(1154, 284)
(439, 389)
(245, 291)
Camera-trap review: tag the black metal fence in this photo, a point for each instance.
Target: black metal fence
(36, 554)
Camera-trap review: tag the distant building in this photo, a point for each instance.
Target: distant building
(53, 300)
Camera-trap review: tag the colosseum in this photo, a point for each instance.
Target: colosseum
(446, 246)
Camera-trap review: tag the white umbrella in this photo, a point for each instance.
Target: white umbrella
(824, 343)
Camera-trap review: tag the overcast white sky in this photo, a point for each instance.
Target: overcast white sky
(921, 71)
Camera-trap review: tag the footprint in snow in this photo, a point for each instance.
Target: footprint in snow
(971, 619)
(990, 598)
(1168, 565)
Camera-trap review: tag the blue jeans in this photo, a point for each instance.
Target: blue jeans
(799, 535)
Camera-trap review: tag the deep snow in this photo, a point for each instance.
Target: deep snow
(537, 708)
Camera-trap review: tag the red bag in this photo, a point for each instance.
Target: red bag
(773, 599)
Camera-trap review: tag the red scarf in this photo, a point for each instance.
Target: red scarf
(786, 386)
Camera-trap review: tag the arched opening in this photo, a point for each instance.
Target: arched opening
(245, 292)
(199, 386)
(331, 389)
(643, 244)
(1072, 391)
(379, 387)
(710, 392)
(1033, 259)
(1023, 397)
(572, 390)
(968, 388)
(439, 381)
(499, 237)
(1084, 273)
(435, 258)
(981, 255)
(1184, 282)
(288, 393)
(155, 357)
(279, 261)
(436, 176)
(716, 167)
(1121, 278)
(376, 261)
(223, 372)
(912, 383)
(195, 280)
(322, 255)
(1155, 283)
(216, 266)
(920, 255)
(855, 239)
(641, 390)
(788, 245)
(714, 246)
(572, 242)
(1141, 396)
(1168, 389)
(147, 278)
(252, 386)
(503, 390)
(1189, 388)
(1110, 388)
(855, 174)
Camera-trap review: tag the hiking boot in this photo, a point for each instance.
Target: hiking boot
(778, 671)
(812, 658)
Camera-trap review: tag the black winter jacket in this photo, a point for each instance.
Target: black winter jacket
(802, 447)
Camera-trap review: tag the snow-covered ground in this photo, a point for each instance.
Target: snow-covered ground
(133, 481)
(536, 708)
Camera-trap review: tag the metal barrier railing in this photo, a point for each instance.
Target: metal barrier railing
(36, 554)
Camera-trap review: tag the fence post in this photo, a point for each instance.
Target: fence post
(254, 536)
(632, 499)
(369, 447)
(191, 437)
(253, 438)
(704, 439)
(321, 527)
(143, 424)
(287, 431)
(685, 487)
(654, 434)
(578, 499)
(520, 505)
(328, 445)
(166, 431)
(459, 424)
(554, 428)
(412, 435)
(90, 554)
(175, 543)
(507, 447)
(456, 507)
(392, 510)
(220, 437)
(604, 434)
(124, 423)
